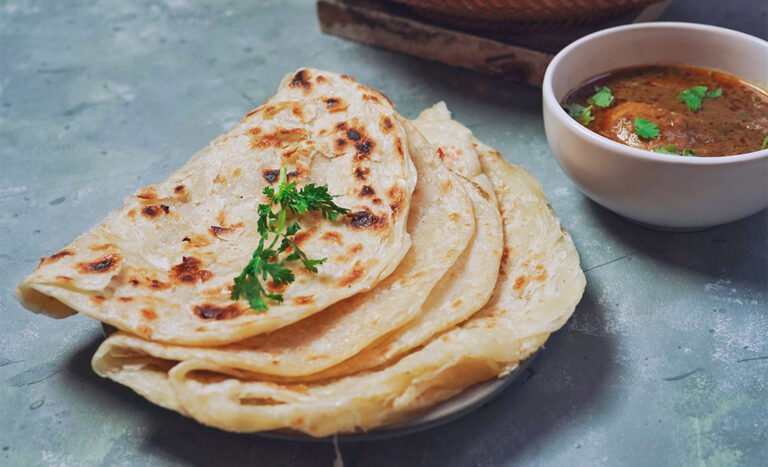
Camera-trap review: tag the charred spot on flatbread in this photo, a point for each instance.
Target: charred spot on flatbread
(301, 79)
(353, 134)
(386, 124)
(218, 230)
(148, 193)
(301, 237)
(332, 236)
(155, 284)
(335, 104)
(364, 149)
(361, 173)
(270, 175)
(152, 210)
(397, 197)
(365, 219)
(357, 271)
(102, 265)
(399, 147)
(98, 299)
(210, 311)
(366, 191)
(189, 271)
(56, 256)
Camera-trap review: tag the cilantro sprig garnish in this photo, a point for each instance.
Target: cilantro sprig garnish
(765, 143)
(645, 128)
(602, 97)
(672, 150)
(579, 113)
(693, 96)
(265, 262)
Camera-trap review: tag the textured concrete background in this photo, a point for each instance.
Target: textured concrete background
(665, 361)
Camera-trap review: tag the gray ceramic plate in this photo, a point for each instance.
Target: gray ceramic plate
(442, 413)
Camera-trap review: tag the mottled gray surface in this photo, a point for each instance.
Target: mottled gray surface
(664, 363)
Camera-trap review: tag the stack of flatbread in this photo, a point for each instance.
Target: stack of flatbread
(449, 269)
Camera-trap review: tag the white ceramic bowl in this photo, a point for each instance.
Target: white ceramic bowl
(658, 190)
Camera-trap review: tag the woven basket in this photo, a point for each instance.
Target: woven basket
(521, 15)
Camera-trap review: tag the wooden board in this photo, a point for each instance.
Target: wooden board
(522, 58)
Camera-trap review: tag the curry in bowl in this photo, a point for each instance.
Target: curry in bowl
(676, 110)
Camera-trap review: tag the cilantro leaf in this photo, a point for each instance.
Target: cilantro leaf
(602, 98)
(279, 273)
(689, 153)
(579, 113)
(645, 128)
(671, 149)
(264, 264)
(291, 230)
(693, 96)
(765, 143)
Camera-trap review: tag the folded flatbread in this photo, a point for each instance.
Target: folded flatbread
(539, 284)
(162, 266)
(469, 283)
(441, 223)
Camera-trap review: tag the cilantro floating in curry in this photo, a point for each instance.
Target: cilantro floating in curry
(265, 262)
(672, 150)
(693, 96)
(580, 113)
(645, 128)
(602, 98)
(688, 152)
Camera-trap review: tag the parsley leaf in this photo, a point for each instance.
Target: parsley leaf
(264, 263)
(765, 143)
(645, 128)
(693, 96)
(579, 113)
(602, 98)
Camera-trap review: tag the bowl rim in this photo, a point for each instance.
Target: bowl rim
(558, 112)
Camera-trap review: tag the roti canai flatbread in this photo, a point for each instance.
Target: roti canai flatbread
(162, 266)
(441, 223)
(539, 284)
(469, 283)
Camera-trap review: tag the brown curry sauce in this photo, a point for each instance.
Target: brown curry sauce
(734, 123)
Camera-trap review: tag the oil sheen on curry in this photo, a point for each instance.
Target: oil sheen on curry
(676, 110)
